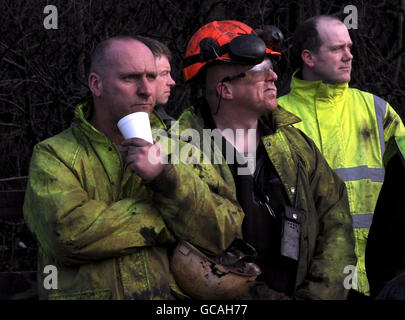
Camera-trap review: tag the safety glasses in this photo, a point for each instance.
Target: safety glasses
(261, 69)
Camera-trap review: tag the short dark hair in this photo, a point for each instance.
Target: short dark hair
(99, 52)
(306, 36)
(158, 48)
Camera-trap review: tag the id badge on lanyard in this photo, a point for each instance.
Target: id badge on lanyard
(291, 233)
(291, 228)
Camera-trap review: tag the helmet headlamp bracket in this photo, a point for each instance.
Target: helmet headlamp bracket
(245, 49)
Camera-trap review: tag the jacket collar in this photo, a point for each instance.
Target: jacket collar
(271, 122)
(280, 118)
(83, 114)
(84, 111)
(308, 91)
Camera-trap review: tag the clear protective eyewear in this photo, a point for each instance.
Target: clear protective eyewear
(261, 69)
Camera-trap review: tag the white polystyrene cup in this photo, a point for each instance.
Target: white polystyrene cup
(136, 125)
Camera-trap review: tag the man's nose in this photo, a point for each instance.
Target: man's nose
(348, 54)
(170, 81)
(146, 87)
(271, 75)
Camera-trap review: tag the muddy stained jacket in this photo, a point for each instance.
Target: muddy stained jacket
(107, 232)
(326, 242)
(350, 127)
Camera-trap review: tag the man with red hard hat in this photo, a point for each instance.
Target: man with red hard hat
(296, 209)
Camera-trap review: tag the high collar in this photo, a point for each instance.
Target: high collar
(317, 90)
(281, 118)
(271, 122)
(83, 114)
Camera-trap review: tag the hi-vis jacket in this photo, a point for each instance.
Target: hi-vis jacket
(350, 127)
(106, 231)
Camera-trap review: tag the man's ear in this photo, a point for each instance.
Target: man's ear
(95, 84)
(308, 58)
(225, 90)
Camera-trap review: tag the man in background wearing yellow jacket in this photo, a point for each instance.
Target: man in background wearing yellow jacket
(349, 126)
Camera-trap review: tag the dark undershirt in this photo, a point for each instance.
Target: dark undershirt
(259, 228)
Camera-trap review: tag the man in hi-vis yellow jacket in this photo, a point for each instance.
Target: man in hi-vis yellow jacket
(349, 126)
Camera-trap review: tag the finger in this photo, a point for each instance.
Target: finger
(138, 151)
(136, 142)
(131, 160)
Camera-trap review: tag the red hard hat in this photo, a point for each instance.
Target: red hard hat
(212, 42)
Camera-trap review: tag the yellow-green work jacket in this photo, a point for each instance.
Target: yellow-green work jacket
(108, 233)
(351, 128)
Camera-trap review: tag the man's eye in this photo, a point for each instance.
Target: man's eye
(129, 78)
(151, 76)
(164, 73)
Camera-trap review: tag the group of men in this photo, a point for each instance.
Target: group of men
(109, 212)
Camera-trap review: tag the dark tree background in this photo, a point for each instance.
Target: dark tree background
(43, 72)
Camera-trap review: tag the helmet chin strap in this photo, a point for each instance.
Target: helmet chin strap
(219, 100)
(227, 79)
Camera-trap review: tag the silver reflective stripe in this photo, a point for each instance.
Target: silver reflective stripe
(380, 106)
(359, 173)
(362, 220)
